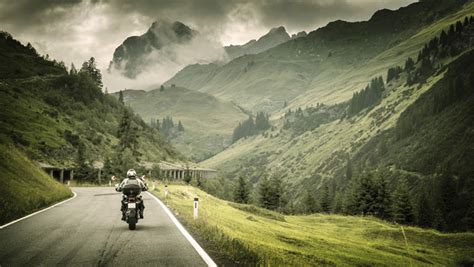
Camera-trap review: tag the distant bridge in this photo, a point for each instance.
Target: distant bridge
(178, 171)
(168, 170)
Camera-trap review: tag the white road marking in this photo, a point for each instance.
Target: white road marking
(45, 209)
(185, 233)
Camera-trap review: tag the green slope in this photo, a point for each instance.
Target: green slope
(329, 63)
(24, 187)
(208, 122)
(48, 113)
(247, 235)
(318, 156)
(194, 76)
(336, 89)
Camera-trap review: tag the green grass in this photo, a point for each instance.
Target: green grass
(265, 237)
(298, 157)
(24, 187)
(208, 122)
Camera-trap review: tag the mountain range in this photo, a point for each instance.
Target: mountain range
(326, 66)
(273, 38)
(137, 53)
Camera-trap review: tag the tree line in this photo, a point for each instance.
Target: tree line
(449, 43)
(251, 127)
(367, 97)
(270, 192)
(167, 126)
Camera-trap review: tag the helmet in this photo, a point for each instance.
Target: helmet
(132, 174)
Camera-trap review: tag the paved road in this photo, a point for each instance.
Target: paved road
(87, 231)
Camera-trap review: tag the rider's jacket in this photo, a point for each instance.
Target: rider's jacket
(127, 181)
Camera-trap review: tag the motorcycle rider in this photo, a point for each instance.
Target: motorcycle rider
(132, 179)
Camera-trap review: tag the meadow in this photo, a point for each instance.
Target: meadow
(244, 234)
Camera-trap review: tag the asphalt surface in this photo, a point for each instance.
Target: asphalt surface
(87, 231)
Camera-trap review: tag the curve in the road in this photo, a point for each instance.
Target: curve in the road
(87, 230)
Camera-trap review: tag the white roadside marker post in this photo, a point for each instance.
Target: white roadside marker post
(166, 191)
(196, 207)
(112, 179)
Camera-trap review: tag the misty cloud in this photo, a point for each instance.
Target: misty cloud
(74, 30)
(164, 63)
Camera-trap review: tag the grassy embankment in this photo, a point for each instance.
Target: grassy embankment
(24, 187)
(247, 235)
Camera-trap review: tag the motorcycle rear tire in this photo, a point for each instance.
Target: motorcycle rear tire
(132, 222)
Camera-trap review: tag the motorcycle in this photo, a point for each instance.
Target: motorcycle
(131, 201)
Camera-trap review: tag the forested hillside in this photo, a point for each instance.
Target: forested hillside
(399, 149)
(207, 121)
(63, 117)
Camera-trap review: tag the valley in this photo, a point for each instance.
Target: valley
(348, 144)
(208, 122)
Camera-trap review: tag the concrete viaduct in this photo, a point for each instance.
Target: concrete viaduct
(177, 172)
(167, 170)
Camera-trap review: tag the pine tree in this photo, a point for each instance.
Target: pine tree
(443, 38)
(309, 203)
(83, 171)
(409, 64)
(276, 192)
(451, 32)
(366, 195)
(264, 191)
(338, 204)
(383, 199)
(459, 27)
(324, 201)
(261, 122)
(91, 69)
(32, 49)
(180, 127)
(446, 195)
(424, 217)
(466, 22)
(241, 192)
(127, 135)
(121, 97)
(402, 208)
(73, 70)
(438, 220)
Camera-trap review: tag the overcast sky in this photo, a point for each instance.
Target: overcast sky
(74, 30)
